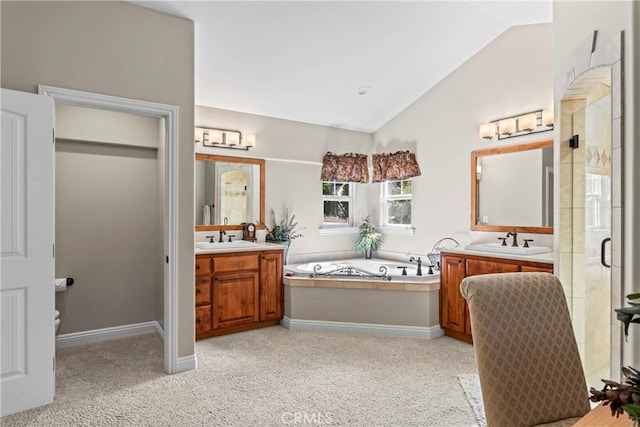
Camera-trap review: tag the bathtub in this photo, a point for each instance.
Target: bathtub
(388, 303)
(359, 268)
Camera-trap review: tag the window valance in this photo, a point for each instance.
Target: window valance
(349, 167)
(395, 166)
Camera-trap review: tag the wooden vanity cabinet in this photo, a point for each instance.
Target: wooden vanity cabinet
(454, 311)
(237, 292)
(452, 305)
(271, 292)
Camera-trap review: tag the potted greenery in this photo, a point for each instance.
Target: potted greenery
(283, 232)
(625, 396)
(368, 239)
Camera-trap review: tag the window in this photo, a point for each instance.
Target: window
(337, 199)
(396, 202)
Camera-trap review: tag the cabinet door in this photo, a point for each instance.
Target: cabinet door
(271, 286)
(475, 267)
(467, 320)
(235, 299)
(203, 319)
(452, 304)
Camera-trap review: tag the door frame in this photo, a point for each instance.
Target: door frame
(170, 115)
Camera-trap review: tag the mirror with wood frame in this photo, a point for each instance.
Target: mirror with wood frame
(512, 188)
(229, 191)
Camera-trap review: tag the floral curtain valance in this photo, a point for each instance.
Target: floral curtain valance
(395, 166)
(350, 167)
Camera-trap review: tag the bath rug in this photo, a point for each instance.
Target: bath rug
(471, 385)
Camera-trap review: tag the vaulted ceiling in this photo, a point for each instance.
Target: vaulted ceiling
(307, 61)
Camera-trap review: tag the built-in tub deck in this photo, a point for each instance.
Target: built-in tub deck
(402, 306)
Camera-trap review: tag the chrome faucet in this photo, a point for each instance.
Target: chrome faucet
(419, 261)
(222, 233)
(515, 238)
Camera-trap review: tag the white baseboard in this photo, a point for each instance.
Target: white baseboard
(425, 332)
(187, 363)
(104, 334)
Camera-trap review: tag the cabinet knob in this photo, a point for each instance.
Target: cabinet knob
(197, 267)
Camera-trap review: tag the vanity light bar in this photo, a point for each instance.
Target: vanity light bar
(522, 124)
(224, 138)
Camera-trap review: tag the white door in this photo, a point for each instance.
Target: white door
(26, 251)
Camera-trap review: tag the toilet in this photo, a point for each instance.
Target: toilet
(60, 285)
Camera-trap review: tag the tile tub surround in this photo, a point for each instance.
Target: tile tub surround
(405, 306)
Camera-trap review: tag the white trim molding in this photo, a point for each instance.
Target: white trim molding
(170, 115)
(187, 363)
(98, 335)
(337, 230)
(424, 332)
(403, 230)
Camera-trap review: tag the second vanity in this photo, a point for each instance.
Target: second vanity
(238, 289)
(455, 265)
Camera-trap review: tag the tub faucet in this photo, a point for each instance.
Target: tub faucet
(222, 233)
(419, 261)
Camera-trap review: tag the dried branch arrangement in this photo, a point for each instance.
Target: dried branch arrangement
(621, 397)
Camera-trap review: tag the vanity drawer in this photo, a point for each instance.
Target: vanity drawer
(203, 265)
(222, 264)
(203, 290)
(203, 319)
(475, 267)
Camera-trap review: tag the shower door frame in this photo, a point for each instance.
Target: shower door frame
(589, 56)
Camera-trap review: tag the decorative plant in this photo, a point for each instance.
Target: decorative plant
(368, 238)
(625, 396)
(285, 230)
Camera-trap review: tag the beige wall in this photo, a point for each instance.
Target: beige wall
(293, 153)
(118, 49)
(573, 23)
(512, 75)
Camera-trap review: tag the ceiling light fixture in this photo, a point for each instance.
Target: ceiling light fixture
(522, 124)
(224, 138)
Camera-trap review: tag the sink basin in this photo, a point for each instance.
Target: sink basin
(226, 245)
(513, 250)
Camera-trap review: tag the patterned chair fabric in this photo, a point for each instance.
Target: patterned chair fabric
(528, 361)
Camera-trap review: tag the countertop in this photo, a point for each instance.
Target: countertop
(544, 258)
(258, 247)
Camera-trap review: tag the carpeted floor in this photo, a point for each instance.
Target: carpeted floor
(265, 377)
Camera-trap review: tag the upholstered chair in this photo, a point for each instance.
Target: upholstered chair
(528, 362)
